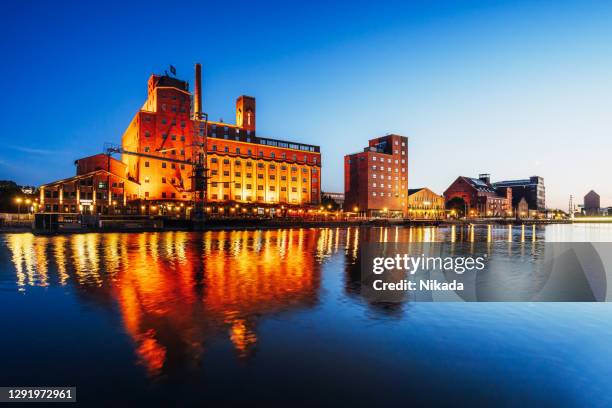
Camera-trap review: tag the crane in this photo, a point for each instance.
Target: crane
(199, 175)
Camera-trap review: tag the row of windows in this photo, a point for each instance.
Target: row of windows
(165, 165)
(382, 159)
(247, 198)
(165, 136)
(382, 194)
(261, 165)
(381, 185)
(382, 177)
(259, 176)
(425, 198)
(164, 195)
(382, 168)
(272, 155)
(164, 121)
(171, 95)
(226, 128)
(226, 136)
(147, 149)
(260, 187)
(294, 146)
(84, 183)
(173, 108)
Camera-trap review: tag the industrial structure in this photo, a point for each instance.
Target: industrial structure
(531, 189)
(592, 203)
(376, 179)
(173, 160)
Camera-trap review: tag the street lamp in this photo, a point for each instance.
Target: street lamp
(18, 200)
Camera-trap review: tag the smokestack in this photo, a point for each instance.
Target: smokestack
(486, 177)
(197, 109)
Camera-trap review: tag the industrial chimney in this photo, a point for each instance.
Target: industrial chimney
(485, 177)
(197, 108)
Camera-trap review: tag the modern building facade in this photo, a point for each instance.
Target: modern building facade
(592, 203)
(531, 189)
(480, 198)
(170, 133)
(376, 179)
(425, 204)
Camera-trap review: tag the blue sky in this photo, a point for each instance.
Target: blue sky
(506, 87)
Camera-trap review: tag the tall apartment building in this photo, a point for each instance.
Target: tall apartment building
(376, 179)
(169, 132)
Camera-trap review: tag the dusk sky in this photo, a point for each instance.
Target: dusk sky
(506, 87)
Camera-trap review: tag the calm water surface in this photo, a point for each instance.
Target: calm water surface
(181, 318)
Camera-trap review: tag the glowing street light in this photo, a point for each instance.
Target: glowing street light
(18, 200)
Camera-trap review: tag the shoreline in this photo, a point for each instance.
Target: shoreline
(259, 224)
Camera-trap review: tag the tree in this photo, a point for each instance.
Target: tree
(9, 191)
(458, 205)
(329, 203)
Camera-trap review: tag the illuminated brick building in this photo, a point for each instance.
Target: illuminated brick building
(425, 204)
(162, 130)
(376, 180)
(170, 132)
(479, 198)
(100, 186)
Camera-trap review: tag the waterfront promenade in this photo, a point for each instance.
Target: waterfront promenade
(143, 224)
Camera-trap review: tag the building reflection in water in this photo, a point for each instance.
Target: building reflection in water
(176, 290)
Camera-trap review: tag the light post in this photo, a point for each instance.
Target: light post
(18, 200)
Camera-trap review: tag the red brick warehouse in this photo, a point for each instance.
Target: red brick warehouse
(243, 168)
(376, 180)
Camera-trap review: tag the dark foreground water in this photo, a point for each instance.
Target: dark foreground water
(276, 317)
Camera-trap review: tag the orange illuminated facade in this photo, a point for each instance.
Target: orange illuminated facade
(168, 134)
(101, 185)
(245, 168)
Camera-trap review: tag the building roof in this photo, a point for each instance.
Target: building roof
(480, 185)
(86, 175)
(513, 183)
(592, 193)
(411, 191)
